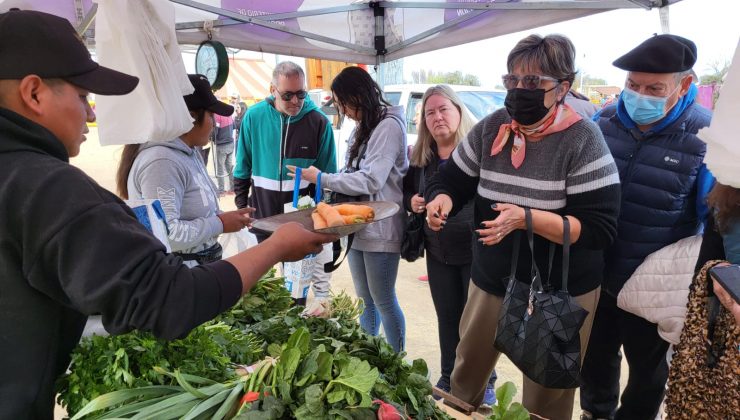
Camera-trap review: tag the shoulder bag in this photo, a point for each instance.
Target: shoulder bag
(538, 328)
(412, 246)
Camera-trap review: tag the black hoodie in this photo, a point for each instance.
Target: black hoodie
(68, 249)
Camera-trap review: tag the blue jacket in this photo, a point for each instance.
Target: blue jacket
(664, 185)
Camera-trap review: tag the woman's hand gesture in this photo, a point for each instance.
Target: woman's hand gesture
(437, 211)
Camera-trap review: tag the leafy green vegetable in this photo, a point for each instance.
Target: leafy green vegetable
(104, 364)
(504, 408)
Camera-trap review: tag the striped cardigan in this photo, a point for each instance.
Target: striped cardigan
(569, 173)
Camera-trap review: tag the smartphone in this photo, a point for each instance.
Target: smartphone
(729, 277)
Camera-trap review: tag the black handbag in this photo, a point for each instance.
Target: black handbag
(412, 245)
(538, 328)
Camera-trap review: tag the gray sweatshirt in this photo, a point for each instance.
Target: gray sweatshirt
(379, 178)
(173, 172)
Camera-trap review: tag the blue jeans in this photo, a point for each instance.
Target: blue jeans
(374, 275)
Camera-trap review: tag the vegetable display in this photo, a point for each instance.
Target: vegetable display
(260, 360)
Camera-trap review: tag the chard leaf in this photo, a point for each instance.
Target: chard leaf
(516, 411)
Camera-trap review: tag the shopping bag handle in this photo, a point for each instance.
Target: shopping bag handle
(337, 250)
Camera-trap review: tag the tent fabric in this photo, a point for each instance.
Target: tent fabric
(250, 79)
(349, 35)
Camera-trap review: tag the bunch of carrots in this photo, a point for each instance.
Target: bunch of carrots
(343, 214)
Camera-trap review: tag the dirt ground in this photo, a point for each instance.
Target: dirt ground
(414, 297)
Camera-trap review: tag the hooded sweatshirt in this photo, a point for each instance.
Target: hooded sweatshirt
(268, 141)
(68, 249)
(173, 173)
(378, 178)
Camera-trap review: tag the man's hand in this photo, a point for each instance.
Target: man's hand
(418, 204)
(293, 242)
(236, 220)
(437, 211)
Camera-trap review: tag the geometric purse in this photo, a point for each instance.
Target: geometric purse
(538, 328)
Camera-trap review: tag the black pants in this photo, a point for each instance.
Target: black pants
(449, 287)
(646, 356)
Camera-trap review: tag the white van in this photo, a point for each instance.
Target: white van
(479, 101)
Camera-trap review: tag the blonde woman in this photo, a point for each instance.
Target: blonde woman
(443, 122)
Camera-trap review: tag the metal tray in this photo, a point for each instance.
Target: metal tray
(383, 210)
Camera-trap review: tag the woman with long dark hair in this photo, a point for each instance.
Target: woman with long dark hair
(174, 173)
(375, 165)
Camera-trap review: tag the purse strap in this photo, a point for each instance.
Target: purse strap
(566, 253)
(535, 271)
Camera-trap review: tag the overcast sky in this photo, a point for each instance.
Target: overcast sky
(714, 25)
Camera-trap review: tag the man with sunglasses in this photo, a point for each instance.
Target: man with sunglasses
(651, 133)
(287, 128)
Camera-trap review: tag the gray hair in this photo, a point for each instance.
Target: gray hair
(554, 55)
(682, 74)
(286, 69)
(422, 152)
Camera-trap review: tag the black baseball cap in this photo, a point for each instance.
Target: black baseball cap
(203, 97)
(660, 54)
(46, 45)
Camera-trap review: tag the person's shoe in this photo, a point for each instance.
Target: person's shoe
(489, 397)
(423, 278)
(444, 385)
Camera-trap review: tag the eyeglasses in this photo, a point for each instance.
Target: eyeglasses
(529, 81)
(287, 96)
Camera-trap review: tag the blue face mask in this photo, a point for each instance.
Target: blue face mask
(645, 109)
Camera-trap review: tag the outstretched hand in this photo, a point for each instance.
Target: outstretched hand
(293, 242)
(236, 220)
(309, 174)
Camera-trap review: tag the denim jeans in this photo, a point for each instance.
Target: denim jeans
(374, 275)
(225, 166)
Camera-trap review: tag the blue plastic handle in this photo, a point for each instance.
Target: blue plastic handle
(296, 187)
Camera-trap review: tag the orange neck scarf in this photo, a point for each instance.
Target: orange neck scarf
(563, 117)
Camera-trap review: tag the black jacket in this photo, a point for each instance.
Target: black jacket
(68, 249)
(453, 244)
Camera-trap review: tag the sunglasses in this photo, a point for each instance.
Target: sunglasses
(529, 82)
(287, 96)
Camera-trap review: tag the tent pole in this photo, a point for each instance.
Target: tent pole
(87, 20)
(264, 23)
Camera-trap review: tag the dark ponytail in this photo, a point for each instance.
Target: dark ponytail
(130, 151)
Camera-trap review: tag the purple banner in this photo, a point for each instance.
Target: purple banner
(256, 8)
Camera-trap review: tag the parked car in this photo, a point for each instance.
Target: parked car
(479, 101)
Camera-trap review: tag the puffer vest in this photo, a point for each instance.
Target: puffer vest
(658, 174)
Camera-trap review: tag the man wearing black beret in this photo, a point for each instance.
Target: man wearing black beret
(68, 247)
(651, 133)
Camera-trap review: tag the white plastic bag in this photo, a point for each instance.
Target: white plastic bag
(236, 242)
(151, 215)
(138, 37)
(298, 276)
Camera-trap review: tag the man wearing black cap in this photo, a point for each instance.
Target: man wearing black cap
(69, 248)
(651, 133)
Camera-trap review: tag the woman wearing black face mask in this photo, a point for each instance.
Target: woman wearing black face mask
(538, 154)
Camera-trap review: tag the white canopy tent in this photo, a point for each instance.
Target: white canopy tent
(370, 32)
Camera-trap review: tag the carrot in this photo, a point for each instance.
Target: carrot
(366, 212)
(318, 221)
(330, 214)
(352, 219)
